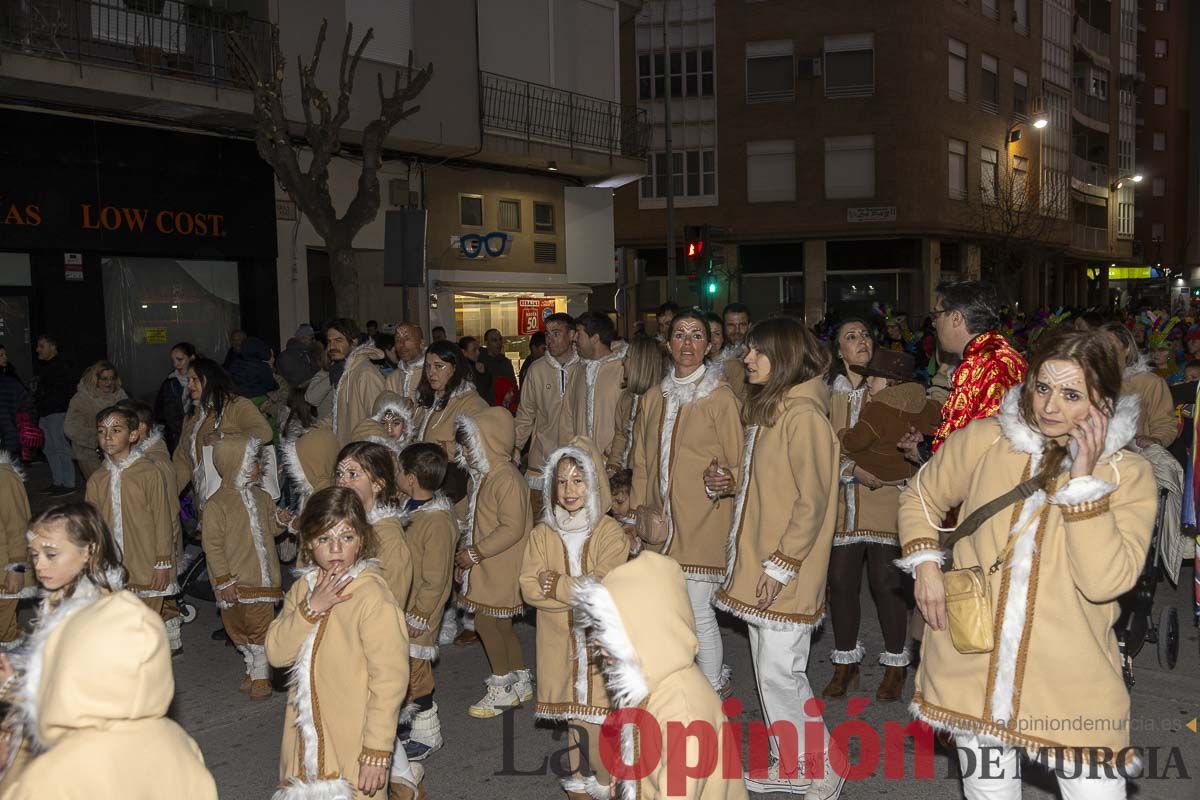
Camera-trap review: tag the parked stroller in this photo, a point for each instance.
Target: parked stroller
(1137, 624)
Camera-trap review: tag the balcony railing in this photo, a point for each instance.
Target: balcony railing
(555, 116)
(165, 37)
(1091, 38)
(1084, 237)
(1089, 171)
(1091, 107)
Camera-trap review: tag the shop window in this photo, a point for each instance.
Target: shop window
(545, 252)
(543, 217)
(510, 215)
(470, 210)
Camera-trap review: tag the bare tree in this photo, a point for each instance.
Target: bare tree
(323, 125)
(1018, 222)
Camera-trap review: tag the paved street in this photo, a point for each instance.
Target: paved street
(240, 739)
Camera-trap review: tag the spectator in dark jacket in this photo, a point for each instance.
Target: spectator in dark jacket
(295, 363)
(537, 349)
(56, 384)
(174, 402)
(499, 367)
(236, 340)
(250, 370)
(6, 367)
(13, 400)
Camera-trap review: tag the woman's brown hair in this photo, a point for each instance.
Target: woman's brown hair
(1102, 368)
(86, 528)
(1125, 337)
(646, 365)
(796, 357)
(326, 510)
(380, 465)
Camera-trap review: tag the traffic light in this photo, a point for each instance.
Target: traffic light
(710, 284)
(695, 246)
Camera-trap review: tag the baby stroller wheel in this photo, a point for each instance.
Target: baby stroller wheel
(187, 612)
(1168, 637)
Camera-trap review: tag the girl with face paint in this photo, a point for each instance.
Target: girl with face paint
(1055, 564)
(574, 539)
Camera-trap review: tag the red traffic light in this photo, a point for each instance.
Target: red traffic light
(694, 249)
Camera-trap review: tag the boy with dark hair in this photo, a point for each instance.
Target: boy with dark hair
(432, 535)
(131, 493)
(591, 401)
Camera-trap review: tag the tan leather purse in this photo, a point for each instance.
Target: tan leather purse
(968, 599)
(651, 525)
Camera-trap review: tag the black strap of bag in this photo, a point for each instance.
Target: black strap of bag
(1022, 491)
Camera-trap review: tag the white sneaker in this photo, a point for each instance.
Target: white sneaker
(449, 627)
(829, 786)
(523, 686)
(500, 697)
(425, 737)
(774, 782)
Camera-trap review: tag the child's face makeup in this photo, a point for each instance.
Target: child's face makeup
(351, 475)
(620, 504)
(572, 489)
(337, 547)
(395, 426)
(114, 435)
(56, 559)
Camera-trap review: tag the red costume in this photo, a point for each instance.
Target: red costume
(990, 367)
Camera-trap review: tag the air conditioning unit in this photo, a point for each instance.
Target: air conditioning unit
(808, 68)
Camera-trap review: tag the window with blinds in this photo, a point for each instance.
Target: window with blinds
(509, 215)
(770, 72)
(850, 65)
(850, 167)
(957, 59)
(771, 171)
(956, 151)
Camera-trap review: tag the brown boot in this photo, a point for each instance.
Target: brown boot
(892, 684)
(400, 790)
(245, 687)
(845, 679)
(260, 690)
(466, 637)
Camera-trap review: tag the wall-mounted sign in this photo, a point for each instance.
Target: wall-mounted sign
(482, 245)
(156, 335)
(73, 266)
(532, 313)
(871, 214)
(285, 209)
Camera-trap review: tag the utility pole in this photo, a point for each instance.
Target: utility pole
(672, 286)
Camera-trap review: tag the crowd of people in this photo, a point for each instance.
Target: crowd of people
(995, 478)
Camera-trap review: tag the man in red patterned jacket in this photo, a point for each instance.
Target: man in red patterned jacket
(965, 318)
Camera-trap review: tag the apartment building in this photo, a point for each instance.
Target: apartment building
(856, 154)
(134, 202)
(1165, 227)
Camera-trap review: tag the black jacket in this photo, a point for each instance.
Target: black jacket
(12, 400)
(295, 365)
(57, 380)
(168, 409)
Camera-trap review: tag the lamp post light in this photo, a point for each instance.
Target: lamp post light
(1135, 178)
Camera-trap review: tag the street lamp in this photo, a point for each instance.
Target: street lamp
(1040, 121)
(1136, 178)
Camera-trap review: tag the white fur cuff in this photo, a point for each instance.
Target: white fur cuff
(1082, 490)
(854, 656)
(910, 563)
(778, 573)
(416, 622)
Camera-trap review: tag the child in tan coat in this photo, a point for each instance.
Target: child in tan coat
(239, 526)
(431, 531)
(489, 559)
(14, 521)
(574, 540)
(133, 497)
(339, 633)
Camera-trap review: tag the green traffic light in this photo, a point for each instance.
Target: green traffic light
(712, 287)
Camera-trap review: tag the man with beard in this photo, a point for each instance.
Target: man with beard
(736, 317)
(355, 380)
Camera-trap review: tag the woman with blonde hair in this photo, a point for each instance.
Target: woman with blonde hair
(99, 388)
(1055, 521)
(782, 534)
(644, 365)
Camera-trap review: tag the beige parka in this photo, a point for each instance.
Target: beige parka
(498, 519)
(785, 513)
(239, 416)
(354, 396)
(680, 429)
(570, 684)
(134, 500)
(14, 522)
(1076, 552)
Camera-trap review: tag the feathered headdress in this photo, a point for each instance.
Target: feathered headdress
(1159, 329)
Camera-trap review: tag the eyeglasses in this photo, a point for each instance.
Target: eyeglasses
(935, 313)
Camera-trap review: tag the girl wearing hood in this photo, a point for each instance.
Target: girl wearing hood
(488, 563)
(390, 423)
(1156, 417)
(1054, 565)
(690, 425)
(782, 535)
(217, 410)
(106, 735)
(99, 388)
(370, 470)
(239, 526)
(340, 632)
(14, 521)
(650, 663)
(445, 393)
(575, 540)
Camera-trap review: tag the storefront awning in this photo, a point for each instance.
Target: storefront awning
(511, 288)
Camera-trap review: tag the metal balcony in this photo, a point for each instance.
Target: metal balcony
(1084, 237)
(165, 37)
(1091, 38)
(558, 117)
(1089, 171)
(1092, 107)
